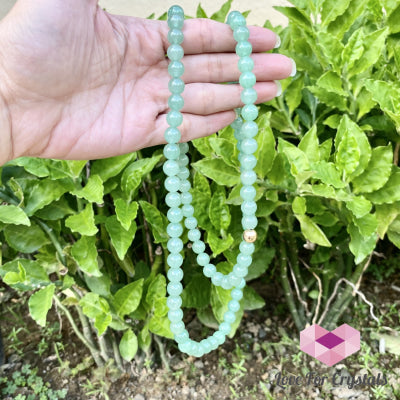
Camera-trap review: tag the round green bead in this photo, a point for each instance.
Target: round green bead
(174, 118)
(248, 146)
(175, 52)
(175, 21)
(175, 102)
(175, 215)
(206, 345)
(246, 248)
(229, 317)
(241, 33)
(184, 186)
(184, 147)
(173, 199)
(175, 36)
(209, 270)
(247, 192)
(183, 174)
(213, 342)
(249, 222)
(194, 234)
(187, 210)
(191, 223)
(236, 294)
(174, 302)
(248, 96)
(175, 260)
(172, 135)
(174, 289)
(233, 306)
(174, 229)
(176, 69)
(248, 177)
(183, 159)
(243, 260)
(243, 49)
(184, 347)
(232, 15)
(171, 151)
(236, 21)
(249, 129)
(170, 167)
(176, 86)
(186, 198)
(225, 328)
(182, 337)
(174, 245)
(198, 246)
(234, 280)
(225, 283)
(247, 79)
(249, 207)
(245, 64)
(240, 271)
(241, 285)
(248, 161)
(177, 327)
(172, 183)
(175, 315)
(249, 112)
(203, 259)
(175, 274)
(220, 337)
(175, 10)
(217, 278)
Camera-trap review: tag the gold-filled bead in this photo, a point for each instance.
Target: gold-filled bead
(250, 235)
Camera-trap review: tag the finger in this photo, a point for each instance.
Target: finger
(208, 36)
(219, 68)
(192, 127)
(209, 98)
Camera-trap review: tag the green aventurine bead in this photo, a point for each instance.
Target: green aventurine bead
(186, 198)
(175, 36)
(175, 52)
(183, 159)
(176, 69)
(175, 21)
(171, 151)
(209, 270)
(245, 64)
(229, 317)
(240, 271)
(225, 328)
(248, 96)
(183, 174)
(247, 192)
(220, 337)
(184, 147)
(170, 167)
(175, 260)
(249, 112)
(174, 302)
(185, 186)
(249, 129)
(248, 177)
(175, 315)
(248, 146)
(181, 337)
(172, 183)
(176, 86)
(194, 234)
(174, 245)
(248, 161)
(243, 49)
(249, 222)
(233, 305)
(217, 278)
(173, 199)
(231, 16)
(236, 294)
(247, 79)
(175, 215)
(203, 259)
(198, 247)
(175, 102)
(174, 229)
(241, 33)
(249, 207)
(174, 288)
(174, 118)
(175, 10)
(187, 210)
(237, 20)
(244, 261)
(234, 280)
(172, 135)
(175, 274)
(246, 248)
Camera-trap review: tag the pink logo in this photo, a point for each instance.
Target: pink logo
(330, 347)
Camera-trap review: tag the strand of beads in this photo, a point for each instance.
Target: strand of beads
(179, 198)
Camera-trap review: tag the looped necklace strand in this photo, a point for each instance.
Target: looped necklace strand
(179, 198)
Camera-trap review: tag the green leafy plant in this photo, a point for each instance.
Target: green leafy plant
(91, 236)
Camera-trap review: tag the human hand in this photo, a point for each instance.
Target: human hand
(80, 83)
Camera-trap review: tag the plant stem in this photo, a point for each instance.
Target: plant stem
(117, 355)
(162, 353)
(53, 239)
(95, 352)
(286, 287)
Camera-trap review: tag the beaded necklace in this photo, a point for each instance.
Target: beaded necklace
(177, 184)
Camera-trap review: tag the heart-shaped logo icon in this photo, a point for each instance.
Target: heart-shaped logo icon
(330, 347)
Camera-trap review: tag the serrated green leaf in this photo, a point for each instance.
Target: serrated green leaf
(83, 222)
(127, 299)
(44, 192)
(25, 239)
(99, 284)
(109, 167)
(157, 220)
(390, 192)
(341, 24)
(293, 93)
(332, 82)
(200, 13)
(359, 206)
(226, 150)
(218, 210)
(218, 245)
(354, 48)
(144, 338)
(223, 12)
(40, 303)
(297, 17)
(11, 214)
(374, 44)
(196, 293)
(367, 225)
(265, 152)
(203, 145)
(309, 144)
(327, 173)
(347, 156)
(360, 246)
(84, 252)
(385, 215)
(329, 98)
(331, 9)
(126, 212)
(157, 289)
(33, 165)
(394, 20)
(312, 231)
(200, 183)
(394, 232)
(97, 308)
(134, 173)
(377, 172)
(56, 210)
(217, 170)
(120, 237)
(93, 190)
(299, 205)
(251, 299)
(160, 326)
(332, 48)
(261, 261)
(128, 346)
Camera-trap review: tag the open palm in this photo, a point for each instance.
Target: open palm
(81, 83)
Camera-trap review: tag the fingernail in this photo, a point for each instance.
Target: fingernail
(278, 41)
(278, 89)
(294, 68)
